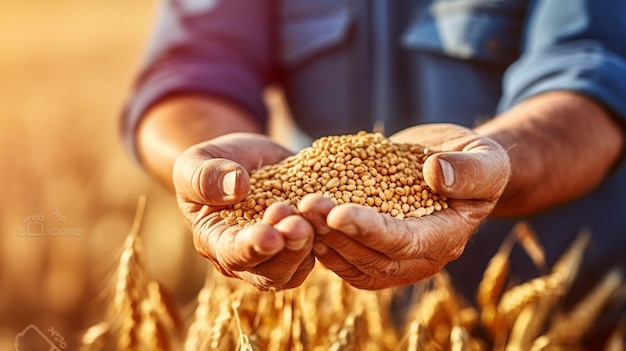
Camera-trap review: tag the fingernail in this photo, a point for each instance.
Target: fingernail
(349, 229)
(320, 248)
(265, 251)
(295, 245)
(229, 182)
(447, 171)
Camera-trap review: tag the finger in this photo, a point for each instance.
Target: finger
(441, 235)
(281, 267)
(215, 182)
(231, 249)
(343, 254)
(266, 283)
(373, 276)
(379, 231)
(296, 232)
(275, 279)
(481, 173)
(378, 254)
(262, 242)
(315, 208)
(277, 212)
(301, 273)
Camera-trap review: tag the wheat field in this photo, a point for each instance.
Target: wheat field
(69, 190)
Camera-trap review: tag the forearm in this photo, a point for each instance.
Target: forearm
(561, 145)
(179, 122)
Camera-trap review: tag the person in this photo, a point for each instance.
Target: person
(524, 100)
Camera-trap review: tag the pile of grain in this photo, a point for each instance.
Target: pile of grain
(365, 168)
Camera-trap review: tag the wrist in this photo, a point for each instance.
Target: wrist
(561, 146)
(176, 123)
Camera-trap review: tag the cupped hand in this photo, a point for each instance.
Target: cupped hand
(210, 176)
(370, 250)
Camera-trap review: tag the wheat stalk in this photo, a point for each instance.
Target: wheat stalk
(569, 328)
(326, 313)
(419, 338)
(617, 340)
(527, 237)
(96, 338)
(130, 287)
(140, 317)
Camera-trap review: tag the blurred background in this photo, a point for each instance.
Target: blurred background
(68, 188)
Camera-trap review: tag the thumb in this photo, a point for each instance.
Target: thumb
(481, 173)
(213, 181)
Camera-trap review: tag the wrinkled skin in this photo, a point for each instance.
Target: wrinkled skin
(273, 254)
(367, 249)
(374, 251)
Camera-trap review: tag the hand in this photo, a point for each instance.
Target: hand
(370, 250)
(210, 176)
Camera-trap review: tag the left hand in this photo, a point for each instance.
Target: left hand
(370, 250)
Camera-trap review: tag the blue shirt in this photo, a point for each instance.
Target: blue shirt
(346, 64)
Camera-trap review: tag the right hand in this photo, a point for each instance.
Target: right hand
(208, 177)
(372, 250)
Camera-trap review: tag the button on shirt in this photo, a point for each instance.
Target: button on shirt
(345, 65)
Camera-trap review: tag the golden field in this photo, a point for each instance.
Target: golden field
(69, 190)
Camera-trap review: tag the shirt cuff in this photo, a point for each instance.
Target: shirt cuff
(587, 69)
(226, 81)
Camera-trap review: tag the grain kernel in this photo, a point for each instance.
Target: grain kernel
(333, 183)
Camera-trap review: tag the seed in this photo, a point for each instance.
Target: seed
(389, 194)
(333, 183)
(369, 182)
(364, 168)
(384, 207)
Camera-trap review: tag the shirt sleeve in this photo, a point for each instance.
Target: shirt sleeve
(216, 47)
(576, 45)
